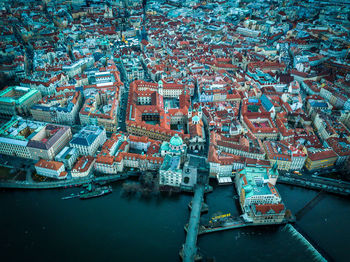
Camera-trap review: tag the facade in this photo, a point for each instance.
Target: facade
(15, 134)
(115, 157)
(60, 109)
(67, 156)
(17, 100)
(89, 139)
(285, 155)
(222, 164)
(83, 167)
(51, 169)
(319, 158)
(47, 142)
(170, 174)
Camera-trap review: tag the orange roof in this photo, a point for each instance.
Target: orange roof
(53, 165)
(277, 208)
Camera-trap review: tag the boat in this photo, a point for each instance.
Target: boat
(70, 196)
(96, 192)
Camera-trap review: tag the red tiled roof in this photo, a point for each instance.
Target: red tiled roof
(277, 208)
(54, 165)
(322, 154)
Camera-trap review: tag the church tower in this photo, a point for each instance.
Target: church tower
(189, 113)
(160, 87)
(273, 174)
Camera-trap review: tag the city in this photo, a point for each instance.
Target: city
(180, 101)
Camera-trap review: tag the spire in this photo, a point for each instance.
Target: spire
(274, 167)
(189, 113)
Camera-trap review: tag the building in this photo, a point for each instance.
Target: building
(341, 146)
(176, 147)
(132, 68)
(222, 164)
(15, 134)
(48, 141)
(148, 115)
(101, 106)
(115, 156)
(67, 156)
(83, 167)
(189, 176)
(60, 109)
(51, 169)
(259, 198)
(89, 139)
(287, 156)
(196, 130)
(256, 117)
(170, 174)
(241, 145)
(17, 100)
(318, 158)
(268, 213)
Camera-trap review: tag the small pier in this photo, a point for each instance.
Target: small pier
(238, 223)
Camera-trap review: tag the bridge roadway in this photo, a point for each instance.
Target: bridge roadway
(190, 247)
(309, 205)
(336, 187)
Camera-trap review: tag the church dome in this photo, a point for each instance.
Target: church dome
(195, 119)
(176, 140)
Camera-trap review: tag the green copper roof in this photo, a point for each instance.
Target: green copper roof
(176, 140)
(195, 118)
(19, 101)
(165, 146)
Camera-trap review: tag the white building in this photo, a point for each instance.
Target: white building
(170, 174)
(67, 156)
(51, 169)
(89, 139)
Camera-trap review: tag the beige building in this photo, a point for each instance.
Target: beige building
(17, 100)
(320, 158)
(49, 141)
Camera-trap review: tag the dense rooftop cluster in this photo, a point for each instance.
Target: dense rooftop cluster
(243, 83)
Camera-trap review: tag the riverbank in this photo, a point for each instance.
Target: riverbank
(61, 184)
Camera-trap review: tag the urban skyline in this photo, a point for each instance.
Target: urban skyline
(179, 97)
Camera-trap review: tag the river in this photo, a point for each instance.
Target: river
(39, 226)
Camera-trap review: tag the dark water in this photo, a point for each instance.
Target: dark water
(38, 225)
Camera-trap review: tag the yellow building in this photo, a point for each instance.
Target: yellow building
(320, 158)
